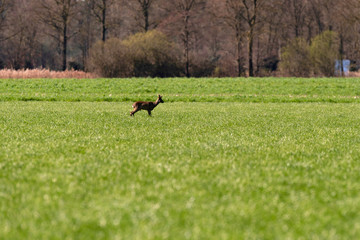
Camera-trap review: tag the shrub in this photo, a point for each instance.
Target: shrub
(270, 64)
(74, 66)
(153, 55)
(301, 59)
(324, 51)
(141, 55)
(110, 59)
(203, 68)
(295, 58)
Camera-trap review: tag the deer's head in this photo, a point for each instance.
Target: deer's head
(160, 99)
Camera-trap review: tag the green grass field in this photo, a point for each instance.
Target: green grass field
(233, 159)
(338, 90)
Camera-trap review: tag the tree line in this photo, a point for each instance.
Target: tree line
(180, 37)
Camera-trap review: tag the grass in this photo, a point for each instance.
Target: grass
(195, 170)
(338, 90)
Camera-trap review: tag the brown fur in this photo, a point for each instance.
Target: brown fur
(148, 106)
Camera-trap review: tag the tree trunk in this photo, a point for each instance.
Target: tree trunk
(239, 59)
(64, 47)
(341, 55)
(238, 52)
(104, 21)
(146, 18)
(258, 58)
(186, 44)
(250, 52)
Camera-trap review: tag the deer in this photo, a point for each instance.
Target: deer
(148, 106)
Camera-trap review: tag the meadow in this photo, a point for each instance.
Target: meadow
(220, 159)
(338, 90)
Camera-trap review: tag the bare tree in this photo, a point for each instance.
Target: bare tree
(318, 14)
(297, 15)
(259, 30)
(183, 9)
(86, 35)
(244, 16)
(231, 12)
(347, 22)
(23, 46)
(145, 6)
(142, 8)
(100, 9)
(57, 14)
(251, 15)
(3, 8)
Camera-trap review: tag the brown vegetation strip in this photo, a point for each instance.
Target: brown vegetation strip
(43, 73)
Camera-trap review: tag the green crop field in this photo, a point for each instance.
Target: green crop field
(263, 90)
(275, 158)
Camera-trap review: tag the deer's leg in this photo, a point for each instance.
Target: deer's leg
(133, 112)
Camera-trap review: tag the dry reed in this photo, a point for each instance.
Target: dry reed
(44, 73)
(354, 74)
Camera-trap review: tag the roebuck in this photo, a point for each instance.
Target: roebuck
(148, 106)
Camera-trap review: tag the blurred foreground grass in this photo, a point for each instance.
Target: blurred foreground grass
(192, 171)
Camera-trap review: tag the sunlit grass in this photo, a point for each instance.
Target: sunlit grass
(192, 171)
(337, 90)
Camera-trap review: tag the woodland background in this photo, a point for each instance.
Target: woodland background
(197, 38)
